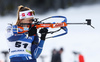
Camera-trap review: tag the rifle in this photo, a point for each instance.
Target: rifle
(63, 25)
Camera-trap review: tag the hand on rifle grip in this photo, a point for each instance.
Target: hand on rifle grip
(43, 33)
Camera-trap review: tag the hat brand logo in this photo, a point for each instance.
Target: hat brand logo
(23, 14)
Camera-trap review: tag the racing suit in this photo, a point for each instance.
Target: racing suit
(23, 48)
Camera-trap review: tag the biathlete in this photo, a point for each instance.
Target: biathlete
(25, 47)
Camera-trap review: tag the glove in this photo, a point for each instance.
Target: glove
(32, 31)
(43, 33)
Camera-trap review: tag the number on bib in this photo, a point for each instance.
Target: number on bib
(19, 44)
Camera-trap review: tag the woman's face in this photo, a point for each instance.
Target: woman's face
(27, 20)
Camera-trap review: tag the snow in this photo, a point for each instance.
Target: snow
(81, 38)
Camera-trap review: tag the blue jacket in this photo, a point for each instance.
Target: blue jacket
(23, 48)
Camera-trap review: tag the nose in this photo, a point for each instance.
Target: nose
(30, 21)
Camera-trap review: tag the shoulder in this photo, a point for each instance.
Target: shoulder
(10, 27)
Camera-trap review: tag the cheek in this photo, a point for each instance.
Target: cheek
(24, 21)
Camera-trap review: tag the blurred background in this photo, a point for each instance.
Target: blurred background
(40, 6)
(80, 38)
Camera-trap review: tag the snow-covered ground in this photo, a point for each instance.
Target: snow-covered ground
(81, 38)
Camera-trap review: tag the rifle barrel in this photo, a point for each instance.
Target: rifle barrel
(76, 23)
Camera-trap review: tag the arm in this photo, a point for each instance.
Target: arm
(39, 48)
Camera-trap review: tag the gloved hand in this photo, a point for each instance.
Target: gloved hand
(43, 33)
(32, 31)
